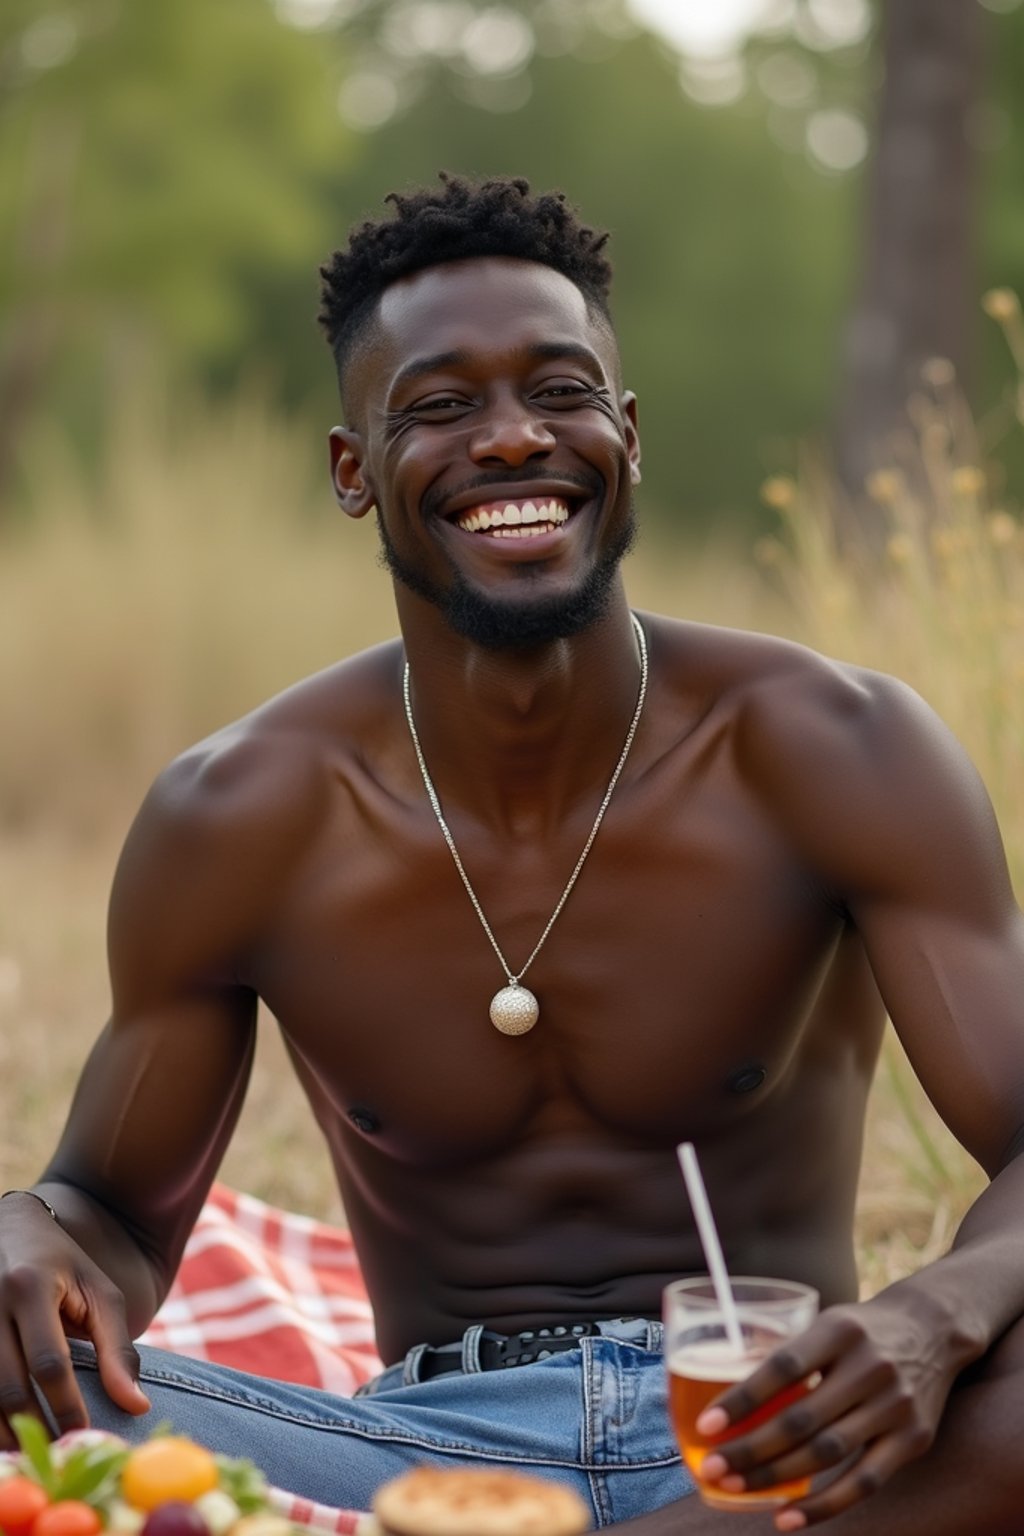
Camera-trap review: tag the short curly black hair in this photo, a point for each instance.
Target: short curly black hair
(459, 219)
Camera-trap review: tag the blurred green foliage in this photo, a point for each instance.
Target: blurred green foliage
(164, 170)
(171, 176)
(731, 259)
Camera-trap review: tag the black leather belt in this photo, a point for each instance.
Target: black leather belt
(498, 1351)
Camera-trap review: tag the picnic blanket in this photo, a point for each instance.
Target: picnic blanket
(279, 1295)
(270, 1292)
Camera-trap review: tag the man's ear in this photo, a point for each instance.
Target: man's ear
(632, 433)
(352, 488)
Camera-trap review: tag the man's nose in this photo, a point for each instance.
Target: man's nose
(510, 434)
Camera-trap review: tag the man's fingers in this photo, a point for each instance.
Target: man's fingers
(45, 1351)
(832, 1335)
(794, 1426)
(16, 1395)
(864, 1478)
(865, 1384)
(117, 1357)
(829, 1447)
(49, 1288)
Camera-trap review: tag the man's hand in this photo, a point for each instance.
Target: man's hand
(51, 1289)
(886, 1371)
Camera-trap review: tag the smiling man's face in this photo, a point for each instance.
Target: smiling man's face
(498, 447)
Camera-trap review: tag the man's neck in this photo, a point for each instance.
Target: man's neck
(518, 738)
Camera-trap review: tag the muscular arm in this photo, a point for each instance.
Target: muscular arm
(162, 1088)
(163, 1085)
(915, 852)
(894, 823)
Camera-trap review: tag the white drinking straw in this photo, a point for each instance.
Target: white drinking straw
(709, 1241)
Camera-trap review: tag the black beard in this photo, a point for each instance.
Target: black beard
(500, 625)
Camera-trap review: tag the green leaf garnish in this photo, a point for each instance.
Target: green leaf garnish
(91, 1473)
(35, 1447)
(244, 1482)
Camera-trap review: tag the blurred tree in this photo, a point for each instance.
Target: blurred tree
(732, 258)
(155, 163)
(170, 176)
(917, 297)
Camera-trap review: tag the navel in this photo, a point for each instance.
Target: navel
(747, 1078)
(363, 1119)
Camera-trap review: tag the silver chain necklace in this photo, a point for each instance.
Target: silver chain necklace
(514, 1009)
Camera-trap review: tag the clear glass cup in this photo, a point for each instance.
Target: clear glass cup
(701, 1362)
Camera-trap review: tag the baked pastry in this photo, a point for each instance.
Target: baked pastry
(478, 1501)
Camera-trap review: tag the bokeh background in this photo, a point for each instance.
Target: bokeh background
(819, 238)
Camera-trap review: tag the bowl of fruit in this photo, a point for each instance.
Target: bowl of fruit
(90, 1482)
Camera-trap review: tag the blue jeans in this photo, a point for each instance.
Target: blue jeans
(594, 1417)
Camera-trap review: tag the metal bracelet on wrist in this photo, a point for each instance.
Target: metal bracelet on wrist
(44, 1203)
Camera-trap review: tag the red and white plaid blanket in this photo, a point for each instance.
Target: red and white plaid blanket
(272, 1293)
(278, 1295)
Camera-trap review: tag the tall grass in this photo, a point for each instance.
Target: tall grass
(204, 566)
(197, 571)
(934, 595)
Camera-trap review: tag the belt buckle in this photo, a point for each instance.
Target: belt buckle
(533, 1344)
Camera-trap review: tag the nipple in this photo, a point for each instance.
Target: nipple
(747, 1079)
(363, 1119)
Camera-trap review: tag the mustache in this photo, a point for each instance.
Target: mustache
(435, 497)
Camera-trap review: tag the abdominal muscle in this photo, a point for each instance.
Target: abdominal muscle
(572, 1230)
(512, 1191)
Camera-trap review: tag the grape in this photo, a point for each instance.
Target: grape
(175, 1518)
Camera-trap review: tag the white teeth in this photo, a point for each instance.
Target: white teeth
(530, 517)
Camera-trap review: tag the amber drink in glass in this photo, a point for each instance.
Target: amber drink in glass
(702, 1361)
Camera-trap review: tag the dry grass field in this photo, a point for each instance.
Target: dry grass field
(204, 570)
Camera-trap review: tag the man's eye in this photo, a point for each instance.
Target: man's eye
(440, 405)
(567, 390)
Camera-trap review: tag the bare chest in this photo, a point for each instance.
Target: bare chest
(676, 988)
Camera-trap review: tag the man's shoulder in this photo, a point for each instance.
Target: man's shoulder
(774, 684)
(852, 764)
(273, 767)
(804, 727)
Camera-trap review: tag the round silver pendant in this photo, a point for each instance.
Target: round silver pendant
(514, 1010)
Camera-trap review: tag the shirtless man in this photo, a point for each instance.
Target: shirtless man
(792, 847)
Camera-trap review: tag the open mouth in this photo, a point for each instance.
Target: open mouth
(529, 518)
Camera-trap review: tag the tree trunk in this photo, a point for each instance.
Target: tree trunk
(917, 297)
